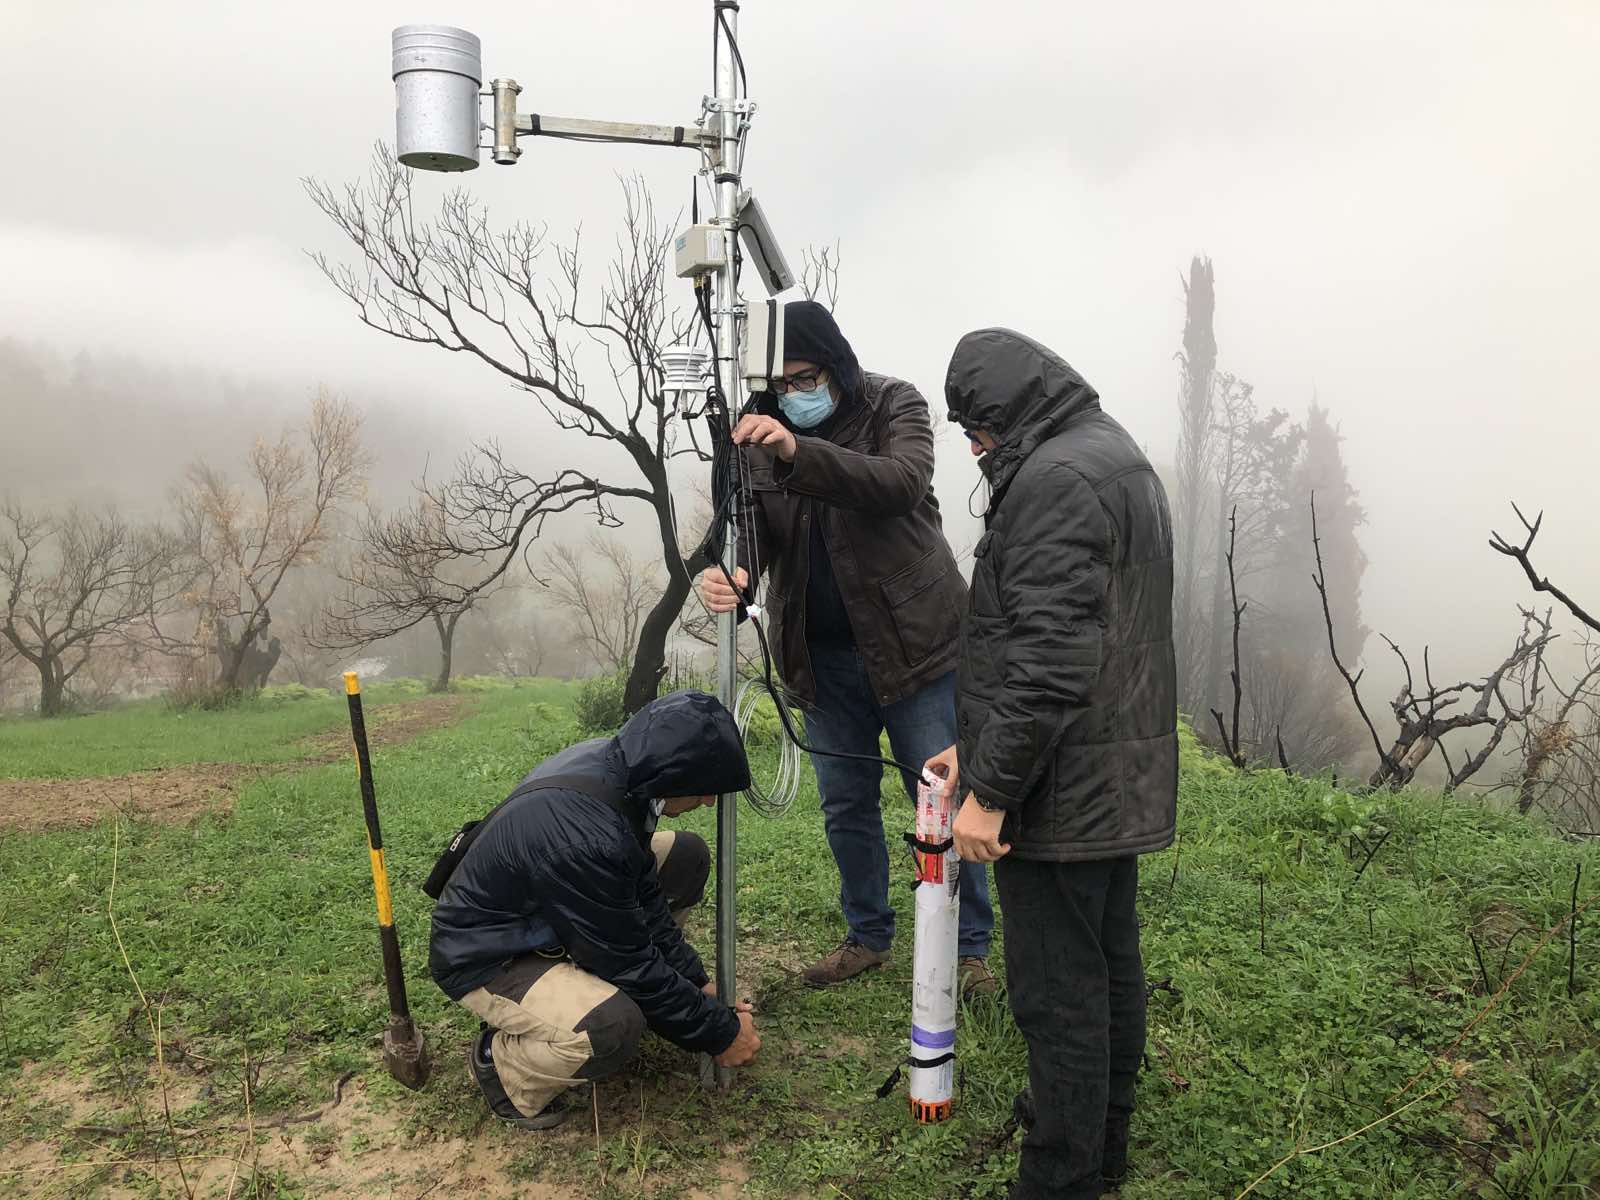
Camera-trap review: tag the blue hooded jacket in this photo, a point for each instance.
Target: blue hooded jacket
(570, 868)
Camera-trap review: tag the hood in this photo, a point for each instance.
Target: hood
(1015, 389)
(684, 744)
(810, 334)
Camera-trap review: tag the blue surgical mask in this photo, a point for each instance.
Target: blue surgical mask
(807, 410)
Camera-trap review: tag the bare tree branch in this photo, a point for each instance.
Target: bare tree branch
(1540, 583)
(819, 275)
(1231, 744)
(1387, 765)
(521, 306)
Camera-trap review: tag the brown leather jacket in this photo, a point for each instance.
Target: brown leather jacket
(870, 482)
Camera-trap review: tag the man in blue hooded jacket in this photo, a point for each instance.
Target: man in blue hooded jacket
(557, 926)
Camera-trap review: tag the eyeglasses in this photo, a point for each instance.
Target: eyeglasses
(803, 381)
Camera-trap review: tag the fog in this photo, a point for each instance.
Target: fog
(1399, 202)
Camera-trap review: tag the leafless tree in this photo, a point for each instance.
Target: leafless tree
(76, 582)
(1254, 457)
(1428, 714)
(606, 607)
(1230, 741)
(525, 653)
(819, 275)
(519, 306)
(410, 569)
(1559, 767)
(244, 541)
(1425, 717)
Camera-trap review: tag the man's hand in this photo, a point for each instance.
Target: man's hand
(745, 1045)
(977, 833)
(756, 430)
(718, 593)
(710, 988)
(944, 765)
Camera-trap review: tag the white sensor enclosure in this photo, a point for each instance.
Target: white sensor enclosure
(761, 245)
(438, 73)
(763, 343)
(699, 251)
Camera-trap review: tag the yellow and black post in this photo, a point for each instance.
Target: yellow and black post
(404, 1053)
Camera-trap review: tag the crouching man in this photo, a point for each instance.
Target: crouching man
(558, 922)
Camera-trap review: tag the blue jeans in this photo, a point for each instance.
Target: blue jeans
(848, 719)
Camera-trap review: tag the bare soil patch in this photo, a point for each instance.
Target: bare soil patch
(182, 793)
(391, 725)
(358, 1148)
(171, 794)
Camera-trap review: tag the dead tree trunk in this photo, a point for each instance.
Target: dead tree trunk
(52, 688)
(446, 628)
(1221, 578)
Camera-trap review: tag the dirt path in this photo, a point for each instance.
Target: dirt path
(182, 793)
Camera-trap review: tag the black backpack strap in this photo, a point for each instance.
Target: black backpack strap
(446, 864)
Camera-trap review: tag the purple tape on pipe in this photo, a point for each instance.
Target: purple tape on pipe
(941, 1040)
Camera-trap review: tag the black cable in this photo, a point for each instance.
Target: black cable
(788, 726)
(767, 655)
(738, 59)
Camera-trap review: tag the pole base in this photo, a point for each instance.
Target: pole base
(405, 1054)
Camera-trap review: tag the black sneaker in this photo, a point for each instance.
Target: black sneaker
(480, 1063)
(1022, 1112)
(1114, 1154)
(1114, 1160)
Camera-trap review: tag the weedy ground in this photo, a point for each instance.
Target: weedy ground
(1297, 987)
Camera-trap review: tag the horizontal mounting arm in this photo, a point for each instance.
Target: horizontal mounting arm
(579, 129)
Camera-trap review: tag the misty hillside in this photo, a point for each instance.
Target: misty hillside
(112, 428)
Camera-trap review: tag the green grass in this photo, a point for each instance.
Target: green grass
(253, 932)
(266, 728)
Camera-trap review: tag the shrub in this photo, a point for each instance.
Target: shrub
(599, 704)
(291, 693)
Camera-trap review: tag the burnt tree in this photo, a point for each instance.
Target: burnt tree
(519, 305)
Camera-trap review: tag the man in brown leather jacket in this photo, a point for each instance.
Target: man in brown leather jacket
(864, 606)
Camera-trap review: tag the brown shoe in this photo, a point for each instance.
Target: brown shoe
(848, 961)
(976, 978)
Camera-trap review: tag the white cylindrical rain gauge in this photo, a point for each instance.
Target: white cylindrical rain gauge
(438, 73)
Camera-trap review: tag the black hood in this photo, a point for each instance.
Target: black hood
(810, 334)
(1015, 389)
(684, 744)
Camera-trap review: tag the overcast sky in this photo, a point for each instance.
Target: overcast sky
(1400, 201)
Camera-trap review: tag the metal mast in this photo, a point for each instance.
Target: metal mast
(726, 183)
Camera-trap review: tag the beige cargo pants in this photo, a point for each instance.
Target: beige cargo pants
(557, 1026)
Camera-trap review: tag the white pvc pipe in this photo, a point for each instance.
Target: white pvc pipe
(933, 964)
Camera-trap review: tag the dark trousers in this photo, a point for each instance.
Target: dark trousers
(1077, 992)
(848, 719)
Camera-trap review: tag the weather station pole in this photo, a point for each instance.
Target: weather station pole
(728, 375)
(439, 102)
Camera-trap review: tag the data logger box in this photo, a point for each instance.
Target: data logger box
(700, 250)
(763, 343)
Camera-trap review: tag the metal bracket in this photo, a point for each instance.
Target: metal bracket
(694, 136)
